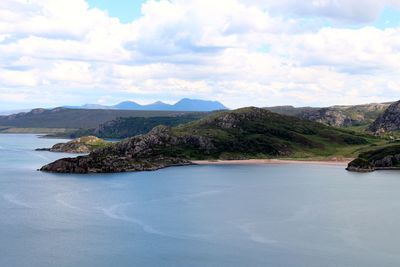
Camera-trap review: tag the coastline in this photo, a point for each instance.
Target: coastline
(335, 162)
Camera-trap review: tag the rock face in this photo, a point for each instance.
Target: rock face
(332, 117)
(79, 145)
(338, 116)
(387, 158)
(389, 121)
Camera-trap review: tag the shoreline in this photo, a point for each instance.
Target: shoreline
(334, 162)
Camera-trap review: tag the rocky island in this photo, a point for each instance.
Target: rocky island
(245, 133)
(82, 145)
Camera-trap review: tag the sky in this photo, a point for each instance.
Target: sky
(240, 52)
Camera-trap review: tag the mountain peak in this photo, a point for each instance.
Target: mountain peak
(158, 103)
(187, 104)
(127, 105)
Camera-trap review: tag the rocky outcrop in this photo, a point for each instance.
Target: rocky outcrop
(79, 145)
(235, 120)
(111, 164)
(147, 152)
(332, 117)
(387, 158)
(337, 116)
(389, 121)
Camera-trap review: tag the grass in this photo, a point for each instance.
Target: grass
(359, 128)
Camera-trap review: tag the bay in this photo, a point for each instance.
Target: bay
(224, 215)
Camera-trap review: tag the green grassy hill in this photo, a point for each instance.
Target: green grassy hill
(254, 132)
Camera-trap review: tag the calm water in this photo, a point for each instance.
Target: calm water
(270, 215)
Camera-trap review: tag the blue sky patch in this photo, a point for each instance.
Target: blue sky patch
(389, 18)
(125, 10)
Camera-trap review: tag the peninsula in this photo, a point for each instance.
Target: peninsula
(246, 133)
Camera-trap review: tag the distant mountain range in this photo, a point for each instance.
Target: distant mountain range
(77, 118)
(185, 104)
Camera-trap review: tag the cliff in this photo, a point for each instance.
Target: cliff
(389, 121)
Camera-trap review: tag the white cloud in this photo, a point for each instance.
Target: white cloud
(188, 48)
(339, 10)
(18, 78)
(350, 50)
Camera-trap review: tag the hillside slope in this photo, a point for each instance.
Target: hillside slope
(240, 134)
(127, 127)
(338, 116)
(74, 118)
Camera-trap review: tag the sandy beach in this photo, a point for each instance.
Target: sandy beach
(338, 162)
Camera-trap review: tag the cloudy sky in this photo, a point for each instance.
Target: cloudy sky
(241, 52)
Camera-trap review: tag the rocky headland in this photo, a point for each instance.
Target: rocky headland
(386, 158)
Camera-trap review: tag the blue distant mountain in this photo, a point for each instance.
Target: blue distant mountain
(159, 106)
(127, 105)
(185, 104)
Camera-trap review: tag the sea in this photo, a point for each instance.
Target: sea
(205, 215)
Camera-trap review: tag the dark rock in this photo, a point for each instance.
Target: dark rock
(42, 149)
